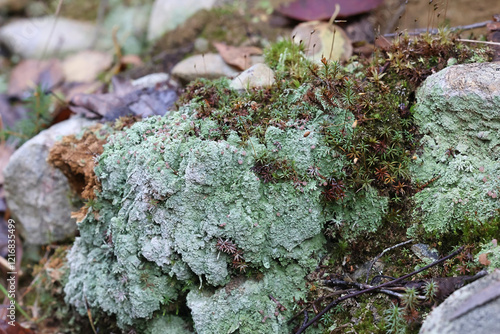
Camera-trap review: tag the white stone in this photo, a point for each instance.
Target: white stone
(259, 75)
(210, 66)
(46, 36)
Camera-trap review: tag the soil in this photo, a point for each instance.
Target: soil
(418, 14)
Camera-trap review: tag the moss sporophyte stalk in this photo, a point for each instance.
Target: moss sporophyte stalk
(244, 184)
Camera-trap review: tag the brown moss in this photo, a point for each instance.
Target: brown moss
(76, 159)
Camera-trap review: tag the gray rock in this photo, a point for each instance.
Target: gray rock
(210, 66)
(425, 253)
(360, 273)
(259, 75)
(168, 14)
(150, 80)
(457, 108)
(38, 194)
(37, 37)
(201, 45)
(472, 309)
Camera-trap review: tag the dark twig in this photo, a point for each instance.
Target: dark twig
(382, 254)
(306, 318)
(435, 31)
(335, 302)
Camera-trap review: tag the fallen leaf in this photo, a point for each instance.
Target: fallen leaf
(71, 89)
(131, 60)
(493, 26)
(318, 38)
(16, 328)
(237, 56)
(30, 73)
(382, 43)
(309, 10)
(85, 66)
(126, 100)
(483, 259)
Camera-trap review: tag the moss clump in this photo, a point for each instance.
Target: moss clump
(236, 183)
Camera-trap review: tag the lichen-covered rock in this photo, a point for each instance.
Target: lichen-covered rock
(246, 306)
(458, 114)
(489, 255)
(168, 324)
(179, 209)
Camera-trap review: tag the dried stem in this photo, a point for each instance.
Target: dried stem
(382, 254)
(436, 31)
(355, 294)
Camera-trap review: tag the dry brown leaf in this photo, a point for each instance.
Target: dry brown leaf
(30, 73)
(318, 38)
(483, 259)
(237, 56)
(131, 60)
(16, 328)
(80, 214)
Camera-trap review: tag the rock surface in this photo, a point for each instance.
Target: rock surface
(259, 75)
(38, 194)
(209, 66)
(458, 113)
(472, 309)
(168, 14)
(33, 38)
(425, 253)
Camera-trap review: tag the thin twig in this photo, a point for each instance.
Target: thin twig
(335, 302)
(474, 41)
(382, 254)
(396, 17)
(436, 31)
(56, 15)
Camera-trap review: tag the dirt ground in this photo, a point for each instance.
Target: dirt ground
(431, 13)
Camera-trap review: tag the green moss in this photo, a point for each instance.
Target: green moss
(233, 182)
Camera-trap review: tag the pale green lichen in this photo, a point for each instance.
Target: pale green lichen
(246, 306)
(458, 119)
(489, 256)
(169, 194)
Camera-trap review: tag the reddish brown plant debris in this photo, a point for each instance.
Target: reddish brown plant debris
(76, 158)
